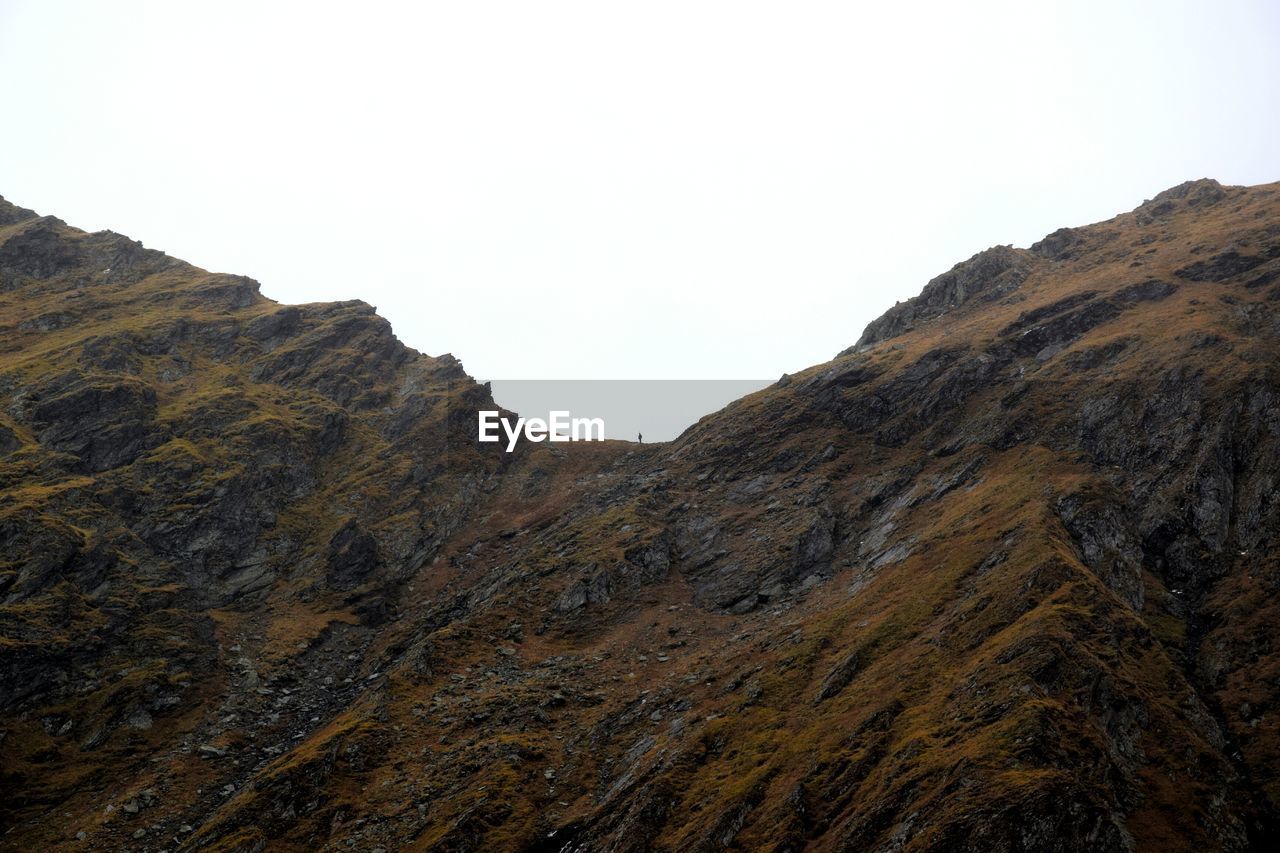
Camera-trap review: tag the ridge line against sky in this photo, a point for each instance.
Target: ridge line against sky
(683, 190)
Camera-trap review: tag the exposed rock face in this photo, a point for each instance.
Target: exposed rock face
(1190, 194)
(1000, 577)
(986, 276)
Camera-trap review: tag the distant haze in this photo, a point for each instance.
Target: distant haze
(605, 190)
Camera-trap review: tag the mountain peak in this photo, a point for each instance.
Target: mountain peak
(998, 271)
(1199, 191)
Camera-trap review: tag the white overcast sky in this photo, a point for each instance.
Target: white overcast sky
(622, 190)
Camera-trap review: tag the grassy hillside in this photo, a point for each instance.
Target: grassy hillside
(999, 576)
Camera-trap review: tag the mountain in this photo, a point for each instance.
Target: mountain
(1000, 576)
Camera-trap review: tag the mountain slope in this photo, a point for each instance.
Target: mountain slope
(1000, 576)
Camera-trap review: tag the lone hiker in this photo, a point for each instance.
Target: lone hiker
(640, 437)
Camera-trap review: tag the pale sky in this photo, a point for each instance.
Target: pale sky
(609, 190)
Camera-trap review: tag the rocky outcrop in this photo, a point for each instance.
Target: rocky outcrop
(986, 276)
(1199, 194)
(104, 421)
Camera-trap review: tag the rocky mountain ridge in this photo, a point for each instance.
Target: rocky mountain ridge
(1000, 576)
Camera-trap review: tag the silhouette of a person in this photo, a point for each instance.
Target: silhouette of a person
(640, 437)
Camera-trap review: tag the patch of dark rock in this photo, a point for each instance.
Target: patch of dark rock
(1155, 210)
(1035, 315)
(1058, 246)
(227, 292)
(1262, 280)
(697, 542)
(372, 610)
(787, 459)
(748, 491)
(557, 840)
(725, 828)
(273, 328)
(1220, 267)
(112, 353)
(54, 552)
(961, 377)
(653, 558)
(848, 375)
(9, 440)
(893, 554)
(969, 376)
(353, 556)
(955, 478)
(890, 485)
(50, 321)
(995, 558)
(39, 251)
(1049, 352)
(1064, 328)
(839, 676)
(814, 547)
(105, 421)
(315, 355)
(594, 589)
(1147, 291)
(1106, 544)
